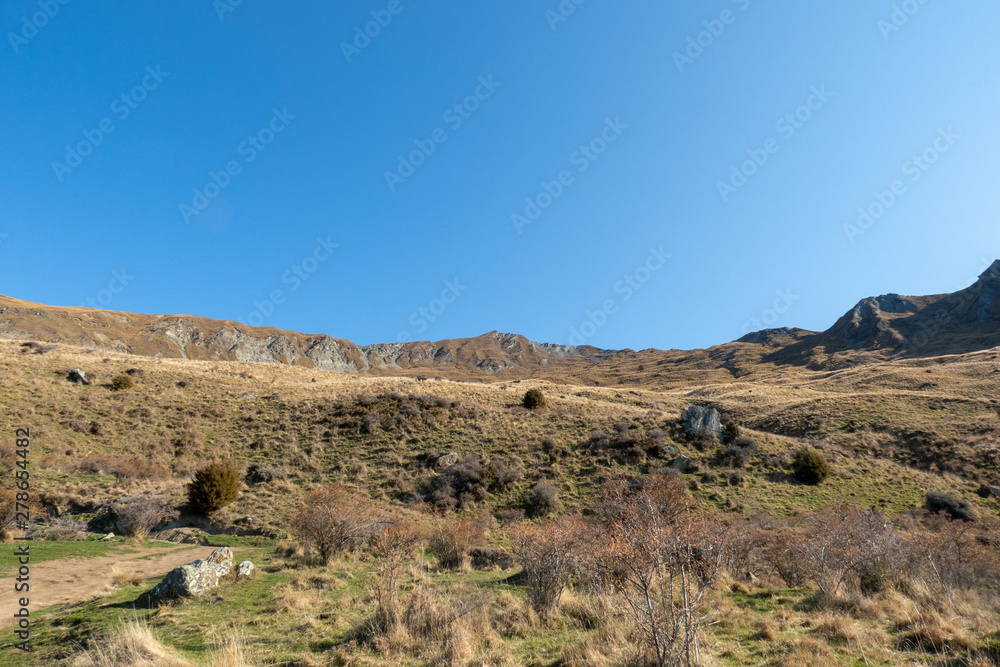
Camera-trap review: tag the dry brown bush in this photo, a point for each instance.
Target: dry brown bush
(452, 540)
(139, 514)
(549, 553)
(335, 520)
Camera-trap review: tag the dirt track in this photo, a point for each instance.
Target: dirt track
(76, 579)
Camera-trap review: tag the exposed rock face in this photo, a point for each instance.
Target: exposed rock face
(244, 570)
(77, 376)
(446, 461)
(683, 464)
(699, 420)
(197, 578)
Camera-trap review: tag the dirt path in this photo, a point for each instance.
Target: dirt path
(76, 579)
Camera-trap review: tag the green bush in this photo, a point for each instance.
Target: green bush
(214, 486)
(534, 399)
(121, 382)
(809, 466)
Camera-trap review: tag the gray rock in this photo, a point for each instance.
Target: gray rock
(698, 420)
(78, 376)
(197, 578)
(246, 397)
(244, 570)
(664, 451)
(683, 464)
(989, 491)
(108, 537)
(180, 535)
(446, 460)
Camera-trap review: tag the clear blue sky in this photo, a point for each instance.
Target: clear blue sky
(310, 129)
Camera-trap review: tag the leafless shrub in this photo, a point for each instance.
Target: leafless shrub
(453, 539)
(137, 515)
(662, 559)
(391, 548)
(850, 548)
(549, 554)
(543, 499)
(335, 520)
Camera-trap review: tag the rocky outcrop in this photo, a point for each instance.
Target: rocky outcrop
(698, 419)
(197, 578)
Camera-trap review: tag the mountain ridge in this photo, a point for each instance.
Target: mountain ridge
(888, 325)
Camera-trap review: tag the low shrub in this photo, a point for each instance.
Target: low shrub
(137, 515)
(543, 499)
(534, 399)
(454, 539)
(953, 507)
(121, 382)
(809, 466)
(214, 487)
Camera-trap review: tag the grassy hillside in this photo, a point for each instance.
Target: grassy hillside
(890, 432)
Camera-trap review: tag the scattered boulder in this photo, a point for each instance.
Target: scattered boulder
(77, 376)
(182, 384)
(486, 558)
(683, 464)
(702, 420)
(180, 535)
(197, 578)
(135, 372)
(988, 491)
(244, 570)
(108, 537)
(246, 397)
(257, 475)
(955, 508)
(446, 460)
(663, 451)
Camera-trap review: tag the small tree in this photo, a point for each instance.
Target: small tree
(809, 466)
(335, 520)
(139, 514)
(213, 487)
(534, 399)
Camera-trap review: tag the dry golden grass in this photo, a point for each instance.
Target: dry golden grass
(121, 576)
(131, 645)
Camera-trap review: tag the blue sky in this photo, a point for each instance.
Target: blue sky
(620, 174)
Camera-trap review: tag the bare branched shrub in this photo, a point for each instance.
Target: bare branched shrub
(857, 549)
(549, 554)
(662, 559)
(392, 547)
(452, 541)
(137, 515)
(543, 499)
(336, 520)
(958, 556)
